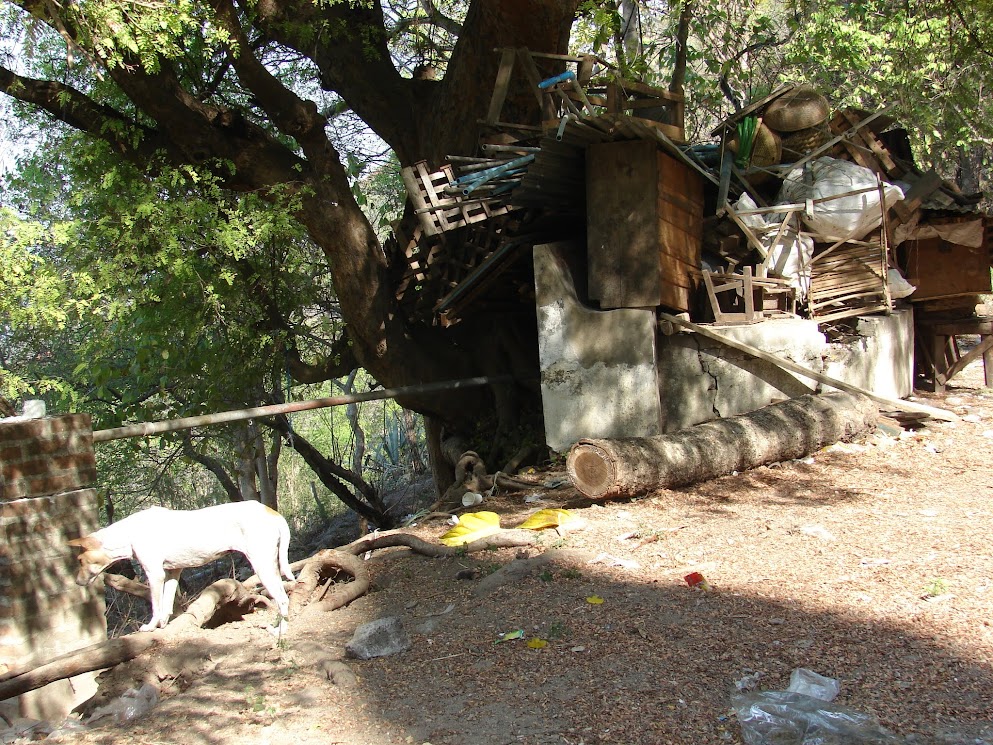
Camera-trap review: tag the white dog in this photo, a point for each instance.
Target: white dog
(166, 541)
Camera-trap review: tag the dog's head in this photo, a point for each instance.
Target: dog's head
(93, 560)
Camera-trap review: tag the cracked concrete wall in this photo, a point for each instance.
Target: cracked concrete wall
(598, 375)
(700, 380)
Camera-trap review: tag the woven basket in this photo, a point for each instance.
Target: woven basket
(767, 150)
(801, 108)
(799, 143)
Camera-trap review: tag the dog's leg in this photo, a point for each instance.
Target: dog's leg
(169, 595)
(268, 572)
(156, 585)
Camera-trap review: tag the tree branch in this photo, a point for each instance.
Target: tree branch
(213, 465)
(334, 477)
(69, 105)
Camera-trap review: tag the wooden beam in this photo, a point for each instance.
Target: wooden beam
(841, 385)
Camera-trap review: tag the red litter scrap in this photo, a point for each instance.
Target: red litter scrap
(697, 580)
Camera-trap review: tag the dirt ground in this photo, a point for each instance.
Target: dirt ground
(869, 563)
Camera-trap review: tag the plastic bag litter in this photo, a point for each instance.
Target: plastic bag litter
(813, 684)
(790, 255)
(132, 704)
(804, 715)
(899, 287)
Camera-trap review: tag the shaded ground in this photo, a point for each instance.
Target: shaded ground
(868, 563)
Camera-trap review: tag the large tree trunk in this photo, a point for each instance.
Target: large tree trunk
(789, 430)
(291, 157)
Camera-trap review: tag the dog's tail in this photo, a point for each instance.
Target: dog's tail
(284, 549)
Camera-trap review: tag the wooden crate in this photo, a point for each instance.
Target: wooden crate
(440, 211)
(939, 269)
(848, 279)
(644, 226)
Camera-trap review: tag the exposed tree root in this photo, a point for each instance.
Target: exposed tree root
(96, 657)
(228, 598)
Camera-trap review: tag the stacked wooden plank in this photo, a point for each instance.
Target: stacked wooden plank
(849, 278)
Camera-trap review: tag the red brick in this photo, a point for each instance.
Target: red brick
(10, 453)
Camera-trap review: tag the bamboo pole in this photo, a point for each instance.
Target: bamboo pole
(171, 425)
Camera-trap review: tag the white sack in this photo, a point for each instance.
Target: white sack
(850, 217)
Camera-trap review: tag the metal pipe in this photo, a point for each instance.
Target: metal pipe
(496, 170)
(488, 148)
(171, 425)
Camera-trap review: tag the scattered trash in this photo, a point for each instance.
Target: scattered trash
(697, 581)
(813, 684)
(874, 562)
(594, 600)
(510, 636)
(614, 561)
(806, 718)
(550, 518)
(443, 612)
(471, 499)
(132, 704)
(818, 531)
(471, 527)
(532, 498)
(537, 643)
(748, 682)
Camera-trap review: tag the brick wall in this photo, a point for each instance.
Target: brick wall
(39, 457)
(46, 471)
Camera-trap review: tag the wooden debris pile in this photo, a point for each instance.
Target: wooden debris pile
(831, 202)
(794, 209)
(477, 214)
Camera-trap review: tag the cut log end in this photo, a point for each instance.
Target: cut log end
(591, 469)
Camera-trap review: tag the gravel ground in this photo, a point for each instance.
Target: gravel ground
(869, 563)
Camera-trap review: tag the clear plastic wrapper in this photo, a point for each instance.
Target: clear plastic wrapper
(787, 718)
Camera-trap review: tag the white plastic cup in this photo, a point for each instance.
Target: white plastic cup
(34, 408)
(471, 499)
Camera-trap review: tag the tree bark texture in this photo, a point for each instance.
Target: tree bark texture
(603, 469)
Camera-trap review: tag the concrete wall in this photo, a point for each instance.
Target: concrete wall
(611, 374)
(700, 380)
(597, 367)
(46, 467)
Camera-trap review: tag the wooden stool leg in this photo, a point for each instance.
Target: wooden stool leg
(940, 364)
(749, 295)
(987, 365)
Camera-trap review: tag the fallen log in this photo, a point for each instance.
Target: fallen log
(603, 469)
